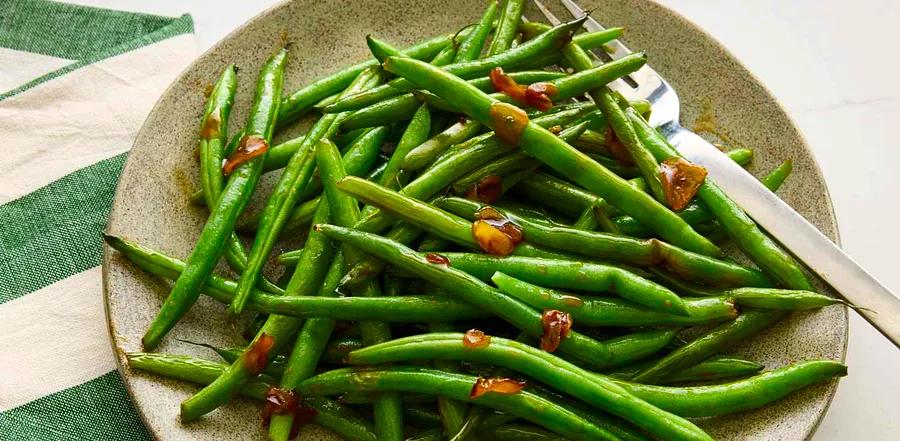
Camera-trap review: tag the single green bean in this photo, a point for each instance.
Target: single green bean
(648, 252)
(555, 152)
(329, 414)
(471, 46)
(419, 380)
(427, 151)
(776, 177)
(625, 132)
(598, 311)
(421, 416)
(713, 369)
(469, 289)
(786, 299)
(740, 228)
(416, 133)
(228, 207)
(572, 275)
(453, 412)
(594, 389)
(741, 395)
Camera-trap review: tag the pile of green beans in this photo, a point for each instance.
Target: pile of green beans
(601, 315)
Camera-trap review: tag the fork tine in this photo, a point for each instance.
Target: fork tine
(547, 14)
(619, 49)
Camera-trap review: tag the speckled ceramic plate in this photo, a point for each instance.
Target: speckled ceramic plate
(152, 208)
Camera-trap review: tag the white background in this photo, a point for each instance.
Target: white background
(834, 66)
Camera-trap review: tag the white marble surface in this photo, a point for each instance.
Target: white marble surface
(831, 64)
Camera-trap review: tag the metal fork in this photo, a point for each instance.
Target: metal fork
(878, 305)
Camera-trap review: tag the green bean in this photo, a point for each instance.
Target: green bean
(594, 389)
(750, 393)
(716, 368)
(597, 311)
(776, 177)
(329, 414)
(395, 176)
(307, 278)
(428, 435)
(624, 131)
(713, 369)
(427, 151)
(740, 228)
(471, 46)
(500, 167)
(717, 340)
(213, 137)
(421, 416)
(388, 408)
(786, 299)
(297, 103)
(649, 252)
(419, 380)
(518, 57)
(286, 193)
(630, 348)
(625, 171)
(337, 349)
(453, 412)
(572, 275)
(469, 289)
(545, 146)
(507, 26)
(556, 193)
(228, 207)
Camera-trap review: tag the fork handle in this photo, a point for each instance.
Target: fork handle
(873, 301)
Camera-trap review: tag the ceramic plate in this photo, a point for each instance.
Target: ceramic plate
(152, 207)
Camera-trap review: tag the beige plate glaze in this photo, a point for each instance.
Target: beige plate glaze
(151, 205)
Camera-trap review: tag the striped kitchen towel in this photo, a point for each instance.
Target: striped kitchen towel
(75, 85)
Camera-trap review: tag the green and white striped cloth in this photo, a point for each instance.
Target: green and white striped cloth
(75, 85)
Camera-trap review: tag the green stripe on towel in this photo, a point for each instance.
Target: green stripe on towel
(54, 232)
(96, 410)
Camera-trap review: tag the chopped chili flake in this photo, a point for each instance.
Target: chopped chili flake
(285, 402)
(508, 122)
(250, 147)
(486, 190)
(497, 385)
(213, 124)
(437, 259)
(475, 338)
(617, 149)
(556, 327)
(538, 96)
(680, 180)
(257, 356)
